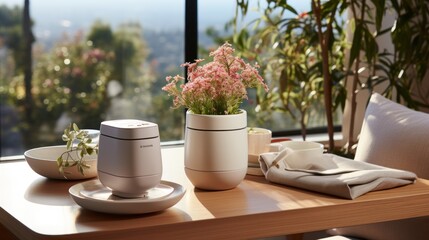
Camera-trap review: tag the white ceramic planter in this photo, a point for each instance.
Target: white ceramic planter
(216, 150)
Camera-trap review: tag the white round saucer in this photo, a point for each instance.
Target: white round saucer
(95, 196)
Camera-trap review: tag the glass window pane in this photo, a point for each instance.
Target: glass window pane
(92, 61)
(95, 61)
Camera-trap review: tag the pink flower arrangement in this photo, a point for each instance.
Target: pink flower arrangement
(216, 88)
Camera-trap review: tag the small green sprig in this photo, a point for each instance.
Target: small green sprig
(78, 146)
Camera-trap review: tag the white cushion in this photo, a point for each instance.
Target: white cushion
(394, 136)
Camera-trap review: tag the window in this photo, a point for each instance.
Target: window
(94, 61)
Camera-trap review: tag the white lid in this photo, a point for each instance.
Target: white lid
(129, 129)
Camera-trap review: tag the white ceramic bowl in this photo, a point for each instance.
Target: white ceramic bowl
(43, 161)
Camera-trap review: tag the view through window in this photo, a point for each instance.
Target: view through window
(101, 60)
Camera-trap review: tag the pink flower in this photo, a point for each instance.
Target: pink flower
(218, 87)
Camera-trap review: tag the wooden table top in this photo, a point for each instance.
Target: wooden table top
(33, 207)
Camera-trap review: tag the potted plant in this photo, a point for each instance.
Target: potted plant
(216, 127)
(397, 71)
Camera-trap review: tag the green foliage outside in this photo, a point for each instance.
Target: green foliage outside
(290, 47)
(84, 78)
(11, 32)
(286, 45)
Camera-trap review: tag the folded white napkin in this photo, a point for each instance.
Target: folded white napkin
(332, 174)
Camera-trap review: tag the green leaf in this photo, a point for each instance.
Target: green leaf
(72, 135)
(80, 169)
(384, 31)
(357, 39)
(90, 150)
(75, 127)
(69, 143)
(395, 4)
(61, 170)
(60, 161)
(379, 12)
(290, 8)
(65, 138)
(371, 46)
(67, 130)
(80, 135)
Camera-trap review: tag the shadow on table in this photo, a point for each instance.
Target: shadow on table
(50, 192)
(241, 200)
(256, 195)
(87, 220)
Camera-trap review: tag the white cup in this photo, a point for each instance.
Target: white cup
(301, 154)
(259, 140)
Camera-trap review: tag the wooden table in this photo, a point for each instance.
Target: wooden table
(32, 207)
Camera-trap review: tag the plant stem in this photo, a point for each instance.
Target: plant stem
(327, 83)
(353, 103)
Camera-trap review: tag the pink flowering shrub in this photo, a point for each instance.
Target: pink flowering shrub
(216, 88)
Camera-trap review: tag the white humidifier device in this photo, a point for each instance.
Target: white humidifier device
(129, 157)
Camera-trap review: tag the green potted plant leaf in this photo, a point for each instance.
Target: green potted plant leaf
(79, 143)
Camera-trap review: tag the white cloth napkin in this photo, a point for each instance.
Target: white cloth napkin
(332, 174)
